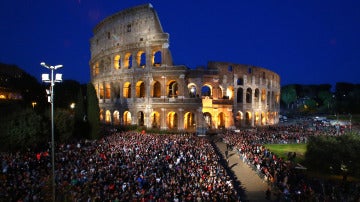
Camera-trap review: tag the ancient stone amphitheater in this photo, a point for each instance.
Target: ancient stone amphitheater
(138, 84)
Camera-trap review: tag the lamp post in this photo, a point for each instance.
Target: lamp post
(50, 94)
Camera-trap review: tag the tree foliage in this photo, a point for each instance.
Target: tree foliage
(24, 129)
(93, 112)
(334, 155)
(288, 94)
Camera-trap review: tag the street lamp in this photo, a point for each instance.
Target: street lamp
(50, 95)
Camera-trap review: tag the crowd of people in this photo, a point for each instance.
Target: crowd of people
(127, 166)
(285, 176)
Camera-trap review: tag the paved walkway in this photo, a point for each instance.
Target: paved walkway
(252, 184)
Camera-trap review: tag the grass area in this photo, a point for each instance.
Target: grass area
(282, 150)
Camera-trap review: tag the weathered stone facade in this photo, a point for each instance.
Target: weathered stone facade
(136, 82)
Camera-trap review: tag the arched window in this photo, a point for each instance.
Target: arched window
(207, 119)
(172, 120)
(141, 59)
(140, 117)
(239, 95)
(127, 118)
(206, 91)
(117, 62)
(221, 120)
(116, 117)
(155, 120)
(263, 95)
(248, 95)
(189, 120)
(101, 89)
(192, 90)
(108, 116)
(230, 93)
(128, 61)
(127, 90)
(156, 91)
(107, 91)
(257, 93)
(140, 89)
(101, 114)
(173, 89)
(240, 81)
(157, 59)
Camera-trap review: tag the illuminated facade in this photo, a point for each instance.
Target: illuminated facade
(138, 84)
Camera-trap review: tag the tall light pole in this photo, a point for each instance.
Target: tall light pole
(50, 93)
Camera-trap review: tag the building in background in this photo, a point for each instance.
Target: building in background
(137, 83)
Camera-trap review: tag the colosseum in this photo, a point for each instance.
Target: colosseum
(137, 83)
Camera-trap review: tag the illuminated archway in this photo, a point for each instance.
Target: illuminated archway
(257, 119)
(155, 120)
(140, 89)
(117, 62)
(172, 89)
(192, 90)
(221, 120)
(189, 120)
(127, 90)
(157, 58)
(128, 61)
(107, 116)
(116, 117)
(101, 114)
(238, 119)
(156, 89)
(208, 119)
(230, 92)
(172, 120)
(127, 118)
(206, 90)
(141, 59)
(248, 118)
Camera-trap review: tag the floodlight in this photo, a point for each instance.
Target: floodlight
(45, 77)
(58, 77)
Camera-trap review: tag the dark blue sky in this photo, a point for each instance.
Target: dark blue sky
(304, 41)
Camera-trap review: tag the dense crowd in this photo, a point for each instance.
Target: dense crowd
(286, 177)
(121, 167)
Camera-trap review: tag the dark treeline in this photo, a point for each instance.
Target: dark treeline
(344, 99)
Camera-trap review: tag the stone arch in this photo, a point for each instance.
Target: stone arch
(157, 58)
(257, 119)
(172, 90)
(116, 117)
(172, 120)
(221, 120)
(207, 119)
(101, 91)
(263, 118)
(240, 81)
(127, 90)
(107, 91)
(107, 116)
(240, 95)
(248, 95)
(127, 118)
(238, 118)
(155, 119)
(117, 62)
(192, 90)
(128, 61)
(263, 95)
(256, 94)
(141, 59)
(156, 89)
(140, 89)
(96, 69)
(248, 118)
(206, 90)
(189, 120)
(140, 118)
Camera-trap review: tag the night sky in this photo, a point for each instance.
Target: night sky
(304, 41)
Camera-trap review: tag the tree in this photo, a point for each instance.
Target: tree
(24, 129)
(64, 124)
(288, 95)
(93, 112)
(81, 128)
